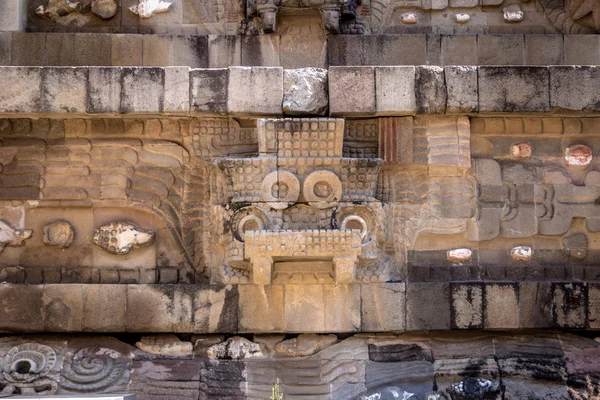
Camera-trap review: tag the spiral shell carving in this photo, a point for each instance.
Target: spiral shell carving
(28, 369)
(93, 369)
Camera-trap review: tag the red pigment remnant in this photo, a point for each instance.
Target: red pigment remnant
(521, 151)
(578, 155)
(409, 19)
(459, 255)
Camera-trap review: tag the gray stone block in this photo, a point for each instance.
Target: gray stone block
(126, 50)
(260, 50)
(208, 90)
(461, 85)
(255, 90)
(5, 39)
(459, 50)
(104, 90)
(92, 49)
(544, 49)
(520, 89)
(352, 91)
(383, 307)
(501, 306)
(143, 90)
(28, 49)
(177, 90)
(12, 15)
(500, 49)
(430, 89)
(467, 305)
(21, 308)
(156, 50)
(64, 89)
(190, 51)
(104, 308)
(224, 51)
(395, 90)
(570, 304)
(575, 88)
(383, 50)
(21, 89)
(427, 306)
(582, 49)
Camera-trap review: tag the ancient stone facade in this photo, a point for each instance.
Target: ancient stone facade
(361, 199)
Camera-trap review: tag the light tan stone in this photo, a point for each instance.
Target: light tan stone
(501, 306)
(261, 308)
(304, 308)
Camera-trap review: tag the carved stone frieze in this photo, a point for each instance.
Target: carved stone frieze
(121, 237)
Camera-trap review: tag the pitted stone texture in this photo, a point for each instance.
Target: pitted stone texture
(352, 91)
(143, 90)
(467, 306)
(65, 90)
(21, 89)
(575, 88)
(255, 90)
(236, 348)
(305, 91)
(305, 344)
(167, 345)
(208, 90)
(513, 89)
(463, 93)
(104, 90)
(430, 87)
(395, 90)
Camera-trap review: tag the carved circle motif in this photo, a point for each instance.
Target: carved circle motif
(357, 217)
(93, 369)
(578, 155)
(27, 369)
(356, 222)
(249, 219)
(280, 189)
(322, 187)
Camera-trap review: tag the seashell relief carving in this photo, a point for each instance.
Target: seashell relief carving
(77, 13)
(121, 237)
(147, 8)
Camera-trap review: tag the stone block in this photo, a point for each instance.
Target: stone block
(216, 308)
(143, 90)
(569, 305)
(224, 51)
(63, 308)
(160, 308)
(208, 90)
(544, 49)
(383, 307)
(255, 90)
(382, 50)
(501, 306)
(430, 89)
(582, 49)
(467, 305)
(342, 308)
(510, 89)
(304, 47)
(594, 305)
(575, 88)
(261, 308)
(352, 91)
(304, 308)
(12, 15)
(395, 90)
(20, 89)
(104, 90)
(427, 306)
(260, 50)
(104, 308)
(5, 39)
(305, 91)
(60, 50)
(28, 49)
(156, 50)
(462, 91)
(433, 52)
(459, 50)
(177, 90)
(21, 308)
(127, 50)
(92, 49)
(64, 89)
(190, 51)
(500, 50)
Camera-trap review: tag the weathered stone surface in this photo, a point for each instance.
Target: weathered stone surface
(261, 308)
(20, 310)
(208, 90)
(511, 89)
(305, 91)
(143, 90)
(352, 91)
(575, 88)
(177, 90)
(105, 308)
(395, 90)
(305, 344)
(104, 90)
(168, 345)
(430, 88)
(21, 89)
(501, 306)
(427, 306)
(236, 348)
(64, 89)
(383, 307)
(467, 306)
(255, 90)
(463, 92)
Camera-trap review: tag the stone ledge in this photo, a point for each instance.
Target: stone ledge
(298, 308)
(258, 91)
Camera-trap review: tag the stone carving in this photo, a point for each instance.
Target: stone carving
(305, 91)
(388, 393)
(521, 151)
(462, 18)
(305, 206)
(459, 255)
(120, 237)
(236, 348)
(573, 16)
(512, 13)
(147, 8)
(29, 369)
(165, 345)
(475, 388)
(66, 12)
(578, 155)
(12, 237)
(94, 369)
(59, 233)
(521, 253)
(409, 19)
(304, 345)
(266, 10)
